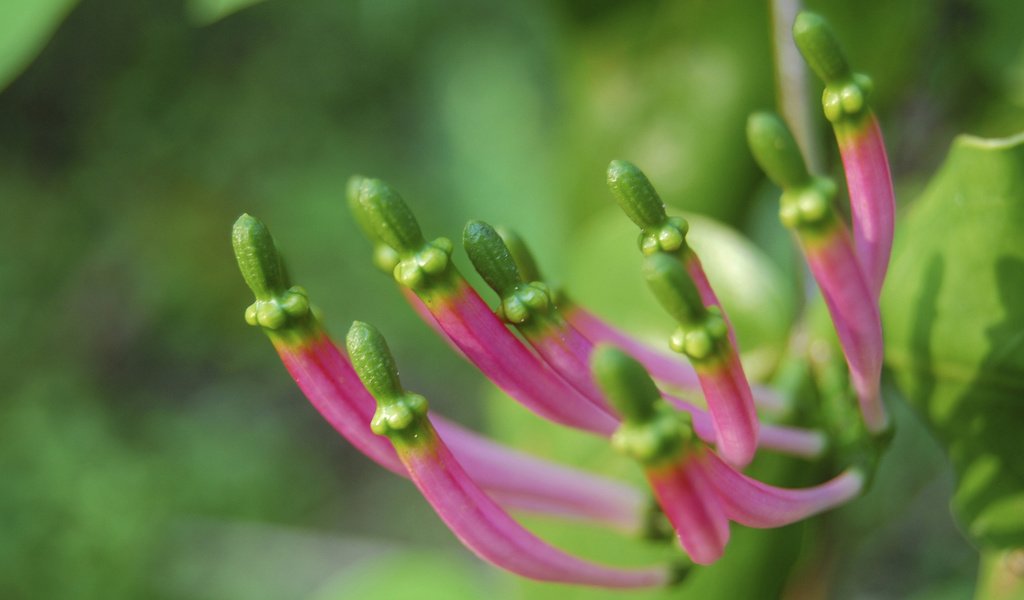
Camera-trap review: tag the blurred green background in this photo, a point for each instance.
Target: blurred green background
(151, 445)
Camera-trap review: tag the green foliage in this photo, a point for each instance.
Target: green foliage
(954, 316)
(25, 27)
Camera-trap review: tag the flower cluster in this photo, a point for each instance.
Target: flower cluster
(578, 371)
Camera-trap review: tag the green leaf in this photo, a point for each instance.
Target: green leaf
(25, 27)
(953, 310)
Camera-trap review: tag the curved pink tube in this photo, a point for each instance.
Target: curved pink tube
(483, 527)
(872, 202)
(755, 504)
(521, 481)
(693, 508)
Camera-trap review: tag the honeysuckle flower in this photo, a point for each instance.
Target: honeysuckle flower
(845, 103)
(807, 208)
(577, 370)
(705, 335)
(698, 491)
(327, 379)
(473, 516)
(568, 350)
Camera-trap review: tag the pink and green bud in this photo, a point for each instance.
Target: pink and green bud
(703, 337)
(280, 309)
(421, 265)
(642, 204)
(807, 209)
(468, 322)
(846, 93)
(659, 233)
(529, 307)
(845, 103)
(328, 380)
(475, 519)
(661, 440)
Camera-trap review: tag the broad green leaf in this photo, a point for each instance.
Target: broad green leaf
(953, 310)
(25, 27)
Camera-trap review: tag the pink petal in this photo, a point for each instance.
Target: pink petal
(483, 527)
(855, 314)
(525, 482)
(872, 203)
(732, 410)
(755, 504)
(500, 356)
(693, 508)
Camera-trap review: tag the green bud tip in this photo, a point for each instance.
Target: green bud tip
(625, 383)
(776, 151)
(820, 47)
(674, 288)
(521, 255)
(352, 189)
(635, 195)
(381, 210)
(491, 258)
(372, 360)
(258, 258)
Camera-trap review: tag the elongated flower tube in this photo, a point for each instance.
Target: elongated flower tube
(665, 367)
(845, 103)
(530, 308)
(659, 438)
(326, 377)
(795, 441)
(703, 338)
(755, 504)
(659, 232)
(426, 269)
(698, 491)
(569, 352)
(807, 209)
(479, 523)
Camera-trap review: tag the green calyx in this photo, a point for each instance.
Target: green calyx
(651, 432)
(527, 265)
(807, 201)
(279, 306)
(384, 257)
(399, 413)
(846, 93)
(810, 208)
(521, 302)
(642, 204)
(417, 264)
(703, 335)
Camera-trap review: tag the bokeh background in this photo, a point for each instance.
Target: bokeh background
(151, 445)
